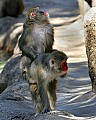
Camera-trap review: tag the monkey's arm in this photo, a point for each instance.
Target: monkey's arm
(49, 38)
(26, 45)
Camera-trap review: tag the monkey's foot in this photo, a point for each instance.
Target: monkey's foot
(52, 112)
(45, 111)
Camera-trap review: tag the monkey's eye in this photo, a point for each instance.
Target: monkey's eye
(52, 61)
(32, 15)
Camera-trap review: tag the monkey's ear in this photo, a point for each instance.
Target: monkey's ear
(51, 62)
(37, 8)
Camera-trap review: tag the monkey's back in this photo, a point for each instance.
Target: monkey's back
(40, 68)
(43, 68)
(37, 39)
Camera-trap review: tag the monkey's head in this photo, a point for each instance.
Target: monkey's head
(35, 15)
(58, 63)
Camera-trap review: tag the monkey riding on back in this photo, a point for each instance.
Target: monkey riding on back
(39, 61)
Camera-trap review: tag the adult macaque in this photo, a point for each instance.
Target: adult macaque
(42, 71)
(37, 34)
(11, 8)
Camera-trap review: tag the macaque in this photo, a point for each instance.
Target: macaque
(38, 36)
(41, 74)
(11, 8)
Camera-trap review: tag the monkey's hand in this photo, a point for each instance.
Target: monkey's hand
(43, 112)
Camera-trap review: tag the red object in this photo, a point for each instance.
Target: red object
(32, 14)
(64, 66)
(45, 13)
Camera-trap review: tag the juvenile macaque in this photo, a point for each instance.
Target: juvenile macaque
(37, 34)
(41, 74)
(11, 8)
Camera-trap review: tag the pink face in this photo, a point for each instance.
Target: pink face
(47, 14)
(64, 66)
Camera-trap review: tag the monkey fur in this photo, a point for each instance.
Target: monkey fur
(38, 36)
(42, 71)
(11, 8)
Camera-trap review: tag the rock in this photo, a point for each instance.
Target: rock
(20, 110)
(10, 30)
(11, 72)
(15, 100)
(15, 110)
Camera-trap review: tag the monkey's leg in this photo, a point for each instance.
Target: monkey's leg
(44, 97)
(51, 90)
(92, 74)
(36, 97)
(25, 63)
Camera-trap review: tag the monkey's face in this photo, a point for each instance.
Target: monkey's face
(35, 15)
(58, 63)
